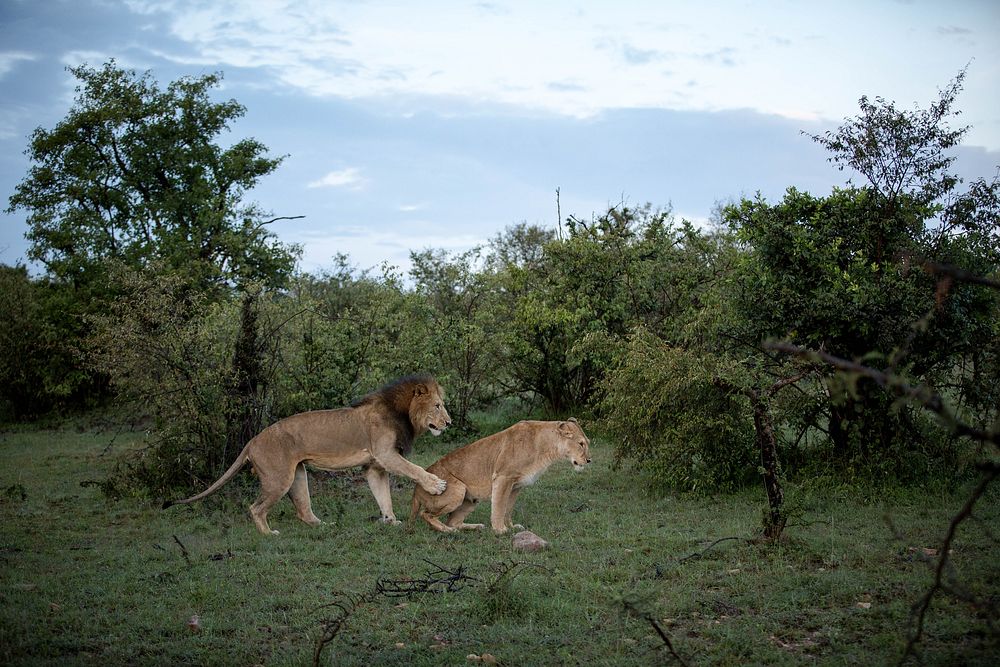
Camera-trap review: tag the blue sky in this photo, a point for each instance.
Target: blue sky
(410, 125)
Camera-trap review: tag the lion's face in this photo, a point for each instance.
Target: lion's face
(574, 444)
(427, 411)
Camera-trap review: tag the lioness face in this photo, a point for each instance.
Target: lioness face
(575, 444)
(428, 410)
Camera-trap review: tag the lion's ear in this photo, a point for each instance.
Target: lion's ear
(420, 390)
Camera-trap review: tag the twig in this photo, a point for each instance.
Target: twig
(184, 551)
(332, 626)
(922, 606)
(699, 554)
(922, 394)
(645, 615)
(431, 583)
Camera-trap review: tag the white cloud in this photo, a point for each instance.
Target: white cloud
(411, 208)
(9, 59)
(349, 178)
(566, 57)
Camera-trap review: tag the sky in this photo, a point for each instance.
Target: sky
(438, 124)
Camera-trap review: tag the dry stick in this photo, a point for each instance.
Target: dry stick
(699, 554)
(922, 607)
(184, 551)
(631, 609)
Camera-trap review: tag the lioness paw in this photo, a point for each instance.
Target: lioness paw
(391, 520)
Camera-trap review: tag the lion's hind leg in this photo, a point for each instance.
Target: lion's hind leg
(299, 493)
(273, 485)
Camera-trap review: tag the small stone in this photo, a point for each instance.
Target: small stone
(528, 541)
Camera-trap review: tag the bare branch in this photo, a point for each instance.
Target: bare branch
(923, 395)
(921, 608)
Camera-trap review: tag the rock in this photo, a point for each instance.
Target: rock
(528, 541)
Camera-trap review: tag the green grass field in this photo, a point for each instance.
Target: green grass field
(86, 580)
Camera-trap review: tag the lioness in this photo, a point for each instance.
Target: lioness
(376, 431)
(498, 467)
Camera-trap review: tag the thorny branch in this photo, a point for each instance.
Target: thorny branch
(922, 606)
(630, 608)
(925, 396)
(439, 580)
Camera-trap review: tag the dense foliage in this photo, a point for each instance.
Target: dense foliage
(660, 330)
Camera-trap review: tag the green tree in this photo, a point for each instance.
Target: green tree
(839, 274)
(135, 174)
(460, 295)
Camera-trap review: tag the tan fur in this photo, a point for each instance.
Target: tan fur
(374, 432)
(498, 467)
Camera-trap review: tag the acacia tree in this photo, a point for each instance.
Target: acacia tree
(135, 174)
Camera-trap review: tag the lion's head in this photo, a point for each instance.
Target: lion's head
(574, 444)
(427, 411)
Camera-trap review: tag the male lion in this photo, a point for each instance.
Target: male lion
(376, 431)
(498, 467)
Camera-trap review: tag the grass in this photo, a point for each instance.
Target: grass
(85, 580)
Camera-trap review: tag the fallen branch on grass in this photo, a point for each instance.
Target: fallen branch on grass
(631, 609)
(923, 605)
(439, 580)
(699, 554)
(184, 551)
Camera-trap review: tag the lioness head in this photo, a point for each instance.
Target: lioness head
(427, 408)
(574, 444)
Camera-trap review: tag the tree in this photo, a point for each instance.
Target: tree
(134, 174)
(837, 275)
(460, 297)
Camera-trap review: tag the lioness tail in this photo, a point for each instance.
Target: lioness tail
(414, 506)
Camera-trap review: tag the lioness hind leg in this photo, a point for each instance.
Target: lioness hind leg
(457, 518)
(300, 496)
(434, 522)
(447, 502)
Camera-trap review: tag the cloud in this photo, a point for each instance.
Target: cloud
(953, 30)
(349, 178)
(9, 59)
(410, 208)
(637, 56)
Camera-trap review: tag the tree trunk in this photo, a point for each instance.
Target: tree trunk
(775, 521)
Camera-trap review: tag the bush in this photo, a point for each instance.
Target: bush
(669, 415)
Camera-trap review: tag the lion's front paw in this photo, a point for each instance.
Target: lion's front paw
(436, 487)
(391, 520)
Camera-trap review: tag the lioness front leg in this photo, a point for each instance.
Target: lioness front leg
(507, 521)
(500, 499)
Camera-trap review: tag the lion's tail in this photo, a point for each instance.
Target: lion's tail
(240, 461)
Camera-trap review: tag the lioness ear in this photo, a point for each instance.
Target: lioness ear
(565, 429)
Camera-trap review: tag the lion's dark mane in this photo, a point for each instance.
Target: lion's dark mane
(396, 397)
